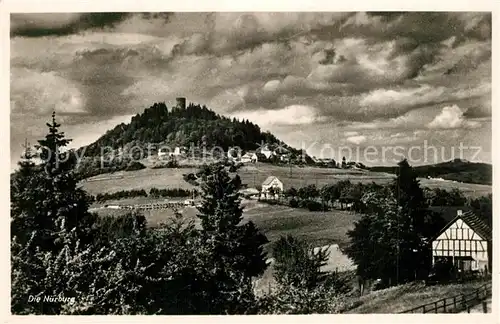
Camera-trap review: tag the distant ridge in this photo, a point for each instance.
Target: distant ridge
(457, 170)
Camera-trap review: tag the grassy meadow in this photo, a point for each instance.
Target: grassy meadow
(318, 228)
(254, 175)
(400, 298)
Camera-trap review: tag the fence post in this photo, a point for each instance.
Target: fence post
(454, 303)
(435, 307)
(464, 304)
(485, 307)
(444, 305)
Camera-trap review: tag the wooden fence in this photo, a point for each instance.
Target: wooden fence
(456, 303)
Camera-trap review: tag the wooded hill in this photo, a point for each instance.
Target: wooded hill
(456, 170)
(194, 125)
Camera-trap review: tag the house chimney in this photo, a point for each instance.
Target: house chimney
(459, 212)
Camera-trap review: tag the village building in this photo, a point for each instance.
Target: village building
(249, 157)
(465, 242)
(271, 188)
(267, 152)
(167, 152)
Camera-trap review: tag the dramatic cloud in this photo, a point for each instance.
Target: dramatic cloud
(291, 115)
(357, 139)
(43, 24)
(351, 72)
(451, 117)
(42, 93)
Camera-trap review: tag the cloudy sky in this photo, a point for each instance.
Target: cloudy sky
(316, 80)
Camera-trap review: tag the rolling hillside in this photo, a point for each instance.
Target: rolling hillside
(183, 126)
(253, 176)
(455, 170)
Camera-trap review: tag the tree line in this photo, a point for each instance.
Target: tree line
(345, 194)
(153, 193)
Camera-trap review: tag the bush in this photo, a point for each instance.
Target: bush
(294, 203)
(301, 286)
(120, 195)
(312, 205)
(168, 164)
(179, 192)
(110, 228)
(134, 166)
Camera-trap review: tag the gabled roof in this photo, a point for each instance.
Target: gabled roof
(448, 213)
(478, 225)
(474, 222)
(269, 180)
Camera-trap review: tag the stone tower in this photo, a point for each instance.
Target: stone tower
(181, 102)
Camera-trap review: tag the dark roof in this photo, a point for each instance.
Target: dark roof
(474, 222)
(269, 180)
(477, 224)
(448, 213)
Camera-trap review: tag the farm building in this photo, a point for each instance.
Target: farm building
(249, 157)
(166, 152)
(465, 242)
(267, 152)
(270, 184)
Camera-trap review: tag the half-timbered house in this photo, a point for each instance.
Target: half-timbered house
(466, 242)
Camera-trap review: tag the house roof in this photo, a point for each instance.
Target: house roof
(477, 224)
(448, 213)
(269, 180)
(474, 222)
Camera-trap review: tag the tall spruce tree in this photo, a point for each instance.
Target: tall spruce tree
(235, 249)
(383, 243)
(46, 196)
(411, 198)
(22, 204)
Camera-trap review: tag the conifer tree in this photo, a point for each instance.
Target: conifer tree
(22, 203)
(410, 197)
(235, 249)
(47, 196)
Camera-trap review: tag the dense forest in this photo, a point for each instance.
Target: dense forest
(194, 125)
(456, 170)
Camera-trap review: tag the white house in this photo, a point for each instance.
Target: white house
(285, 158)
(274, 183)
(249, 157)
(465, 241)
(166, 152)
(163, 152)
(267, 152)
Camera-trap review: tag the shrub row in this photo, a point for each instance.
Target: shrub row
(121, 195)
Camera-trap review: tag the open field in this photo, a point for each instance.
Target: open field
(253, 176)
(318, 228)
(403, 297)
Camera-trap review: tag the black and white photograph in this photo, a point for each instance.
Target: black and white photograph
(250, 163)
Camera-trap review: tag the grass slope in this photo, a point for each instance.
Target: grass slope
(403, 297)
(318, 228)
(255, 175)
